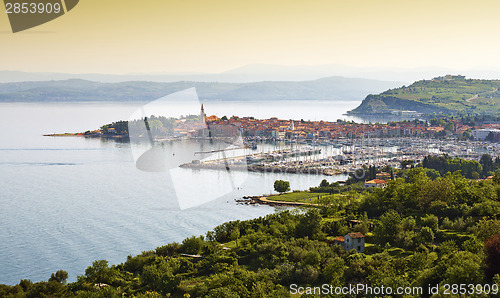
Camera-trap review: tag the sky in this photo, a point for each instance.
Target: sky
(172, 36)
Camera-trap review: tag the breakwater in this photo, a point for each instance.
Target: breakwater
(263, 168)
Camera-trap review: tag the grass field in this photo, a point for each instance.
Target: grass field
(312, 197)
(299, 196)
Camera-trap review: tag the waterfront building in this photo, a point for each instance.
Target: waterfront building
(223, 130)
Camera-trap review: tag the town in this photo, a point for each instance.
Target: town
(315, 147)
(331, 148)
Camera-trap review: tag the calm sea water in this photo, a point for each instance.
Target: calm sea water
(67, 201)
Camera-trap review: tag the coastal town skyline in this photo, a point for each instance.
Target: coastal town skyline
(409, 124)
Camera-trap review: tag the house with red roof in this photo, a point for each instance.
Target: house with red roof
(351, 241)
(375, 183)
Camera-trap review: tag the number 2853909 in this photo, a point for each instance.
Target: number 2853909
(32, 8)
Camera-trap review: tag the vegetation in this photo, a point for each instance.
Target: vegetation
(469, 168)
(454, 96)
(281, 186)
(120, 127)
(420, 230)
(158, 125)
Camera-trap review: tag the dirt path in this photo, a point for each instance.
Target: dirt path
(477, 95)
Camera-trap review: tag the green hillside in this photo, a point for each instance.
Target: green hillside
(449, 95)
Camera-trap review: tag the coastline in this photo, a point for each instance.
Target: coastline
(67, 134)
(81, 134)
(263, 200)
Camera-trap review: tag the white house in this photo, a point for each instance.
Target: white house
(351, 241)
(375, 183)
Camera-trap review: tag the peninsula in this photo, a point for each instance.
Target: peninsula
(450, 94)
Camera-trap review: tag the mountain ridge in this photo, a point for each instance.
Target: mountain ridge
(259, 72)
(79, 90)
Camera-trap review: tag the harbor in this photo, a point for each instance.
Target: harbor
(340, 156)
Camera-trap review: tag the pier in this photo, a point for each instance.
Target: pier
(273, 162)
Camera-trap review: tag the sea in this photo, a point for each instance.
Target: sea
(68, 201)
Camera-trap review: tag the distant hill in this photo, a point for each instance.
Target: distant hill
(258, 73)
(447, 94)
(76, 90)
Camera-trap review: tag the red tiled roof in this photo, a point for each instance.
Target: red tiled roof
(339, 238)
(356, 235)
(376, 181)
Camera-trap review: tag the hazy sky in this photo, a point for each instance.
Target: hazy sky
(125, 36)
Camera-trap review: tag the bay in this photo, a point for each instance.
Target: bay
(67, 201)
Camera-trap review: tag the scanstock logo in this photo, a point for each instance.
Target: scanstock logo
(26, 14)
(170, 138)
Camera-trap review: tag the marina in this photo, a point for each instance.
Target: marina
(341, 156)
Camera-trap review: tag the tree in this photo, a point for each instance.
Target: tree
(310, 225)
(99, 272)
(223, 292)
(496, 177)
(160, 276)
(389, 227)
(25, 284)
(473, 245)
(487, 228)
(432, 173)
(490, 137)
(492, 247)
(427, 235)
(334, 271)
(168, 249)
(156, 126)
(60, 276)
(281, 186)
(431, 221)
(462, 267)
(487, 162)
(235, 234)
(192, 245)
(407, 163)
(449, 126)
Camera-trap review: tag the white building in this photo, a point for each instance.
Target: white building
(375, 183)
(481, 134)
(351, 241)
